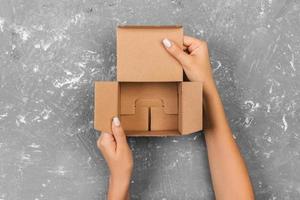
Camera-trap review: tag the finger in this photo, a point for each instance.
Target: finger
(176, 52)
(193, 44)
(188, 41)
(118, 132)
(106, 143)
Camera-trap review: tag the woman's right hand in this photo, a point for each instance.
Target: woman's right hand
(229, 173)
(194, 58)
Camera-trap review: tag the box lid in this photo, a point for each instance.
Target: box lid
(141, 56)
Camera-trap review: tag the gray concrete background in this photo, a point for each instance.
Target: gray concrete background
(52, 51)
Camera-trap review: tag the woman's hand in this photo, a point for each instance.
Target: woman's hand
(194, 59)
(116, 152)
(228, 170)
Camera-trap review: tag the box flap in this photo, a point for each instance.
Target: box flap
(160, 121)
(190, 107)
(136, 122)
(106, 105)
(141, 56)
(152, 133)
(133, 95)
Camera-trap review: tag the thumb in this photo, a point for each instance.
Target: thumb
(176, 52)
(118, 132)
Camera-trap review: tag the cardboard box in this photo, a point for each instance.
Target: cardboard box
(149, 96)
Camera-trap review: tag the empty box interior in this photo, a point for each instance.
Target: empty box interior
(153, 105)
(150, 108)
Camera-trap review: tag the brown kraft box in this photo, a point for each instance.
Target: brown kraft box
(149, 96)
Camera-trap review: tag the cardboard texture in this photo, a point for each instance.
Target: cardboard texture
(141, 58)
(149, 95)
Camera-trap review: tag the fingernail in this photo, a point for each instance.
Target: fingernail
(116, 121)
(167, 43)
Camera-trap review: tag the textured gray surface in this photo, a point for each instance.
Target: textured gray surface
(52, 51)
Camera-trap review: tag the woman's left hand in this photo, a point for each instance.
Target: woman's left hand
(118, 155)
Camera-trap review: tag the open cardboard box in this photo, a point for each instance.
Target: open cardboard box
(149, 96)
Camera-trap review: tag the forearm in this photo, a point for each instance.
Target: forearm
(118, 189)
(228, 170)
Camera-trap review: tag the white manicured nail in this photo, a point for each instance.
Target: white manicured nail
(167, 43)
(116, 121)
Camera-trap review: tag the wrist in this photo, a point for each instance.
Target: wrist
(121, 184)
(119, 181)
(209, 86)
